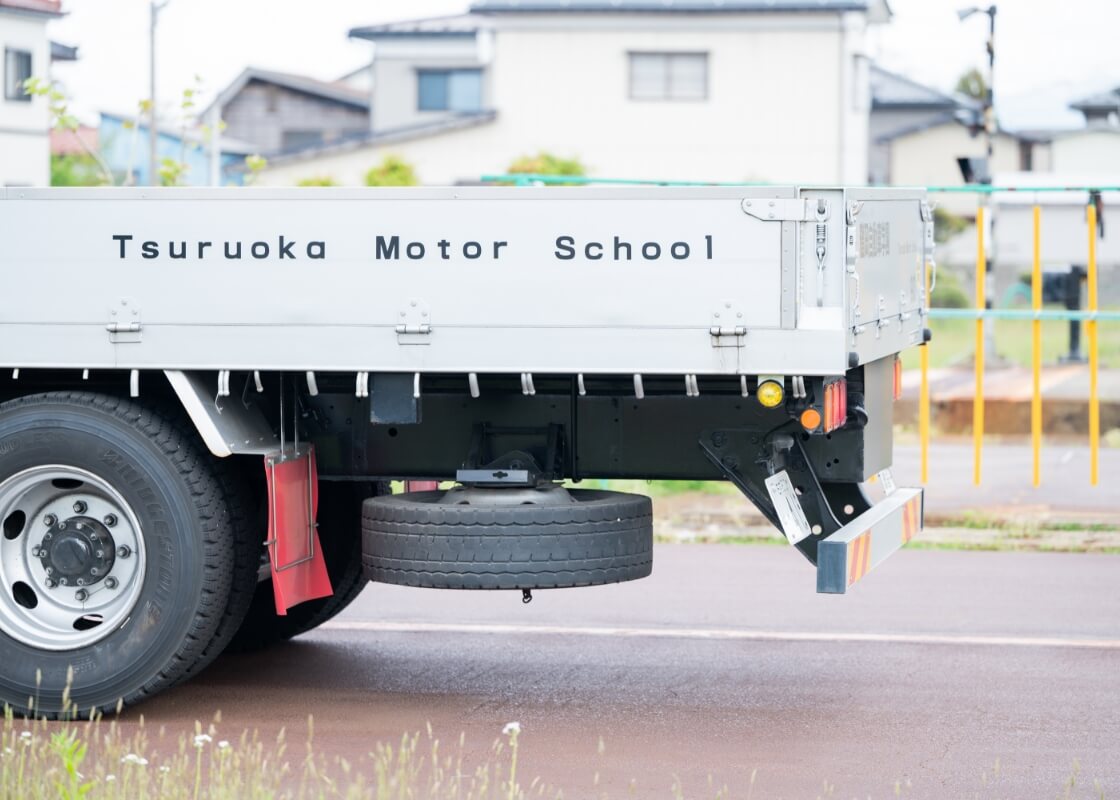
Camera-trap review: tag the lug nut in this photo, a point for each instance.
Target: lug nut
(80, 507)
(81, 595)
(36, 552)
(49, 520)
(50, 570)
(100, 554)
(50, 583)
(110, 520)
(94, 571)
(124, 551)
(111, 583)
(81, 581)
(62, 526)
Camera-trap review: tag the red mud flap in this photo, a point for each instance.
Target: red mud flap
(299, 573)
(864, 543)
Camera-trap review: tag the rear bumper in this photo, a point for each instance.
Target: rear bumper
(848, 555)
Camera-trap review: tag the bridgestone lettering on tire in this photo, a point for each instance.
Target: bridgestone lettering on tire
(119, 455)
(414, 540)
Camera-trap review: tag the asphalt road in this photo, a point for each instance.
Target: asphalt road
(725, 663)
(1005, 490)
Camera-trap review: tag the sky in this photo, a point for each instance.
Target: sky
(1047, 53)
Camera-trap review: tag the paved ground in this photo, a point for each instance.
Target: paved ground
(1007, 399)
(939, 666)
(1005, 489)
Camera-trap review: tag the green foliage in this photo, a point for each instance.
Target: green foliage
(948, 292)
(63, 120)
(75, 170)
(392, 171)
(973, 84)
(547, 164)
(254, 163)
(946, 225)
(318, 180)
(71, 751)
(172, 171)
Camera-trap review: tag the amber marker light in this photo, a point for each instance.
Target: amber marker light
(770, 394)
(810, 419)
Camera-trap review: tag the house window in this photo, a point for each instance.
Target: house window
(300, 140)
(17, 69)
(450, 90)
(668, 76)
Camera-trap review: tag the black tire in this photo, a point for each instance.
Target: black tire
(160, 470)
(340, 508)
(413, 540)
(243, 496)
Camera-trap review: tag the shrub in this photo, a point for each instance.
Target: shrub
(948, 292)
(547, 164)
(392, 171)
(946, 225)
(317, 180)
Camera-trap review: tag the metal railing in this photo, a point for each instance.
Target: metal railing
(1092, 316)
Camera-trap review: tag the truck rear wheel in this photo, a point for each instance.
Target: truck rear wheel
(116, 556)
(546, 538)
(340, 508)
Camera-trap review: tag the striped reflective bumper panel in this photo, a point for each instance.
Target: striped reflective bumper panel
(845, 557)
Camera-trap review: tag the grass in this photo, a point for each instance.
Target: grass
(978, 521)
(954, 342)
(96, 760)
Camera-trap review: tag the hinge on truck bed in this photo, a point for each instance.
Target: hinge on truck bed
(124, 322)
(414, 325)
(728, 326)
(777, 209)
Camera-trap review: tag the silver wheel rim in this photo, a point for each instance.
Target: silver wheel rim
(60, 586)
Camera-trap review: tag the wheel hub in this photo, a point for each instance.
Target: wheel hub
(78, 551)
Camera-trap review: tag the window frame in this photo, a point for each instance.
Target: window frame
(669, 55)
(447, 72)
(21, 95)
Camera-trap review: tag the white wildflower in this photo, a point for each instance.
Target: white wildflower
(223, 745)
(110, 778)
(511, 728)
(132, 758)
(8, 751)
(202, 740)
(25, 735)
(165, 769)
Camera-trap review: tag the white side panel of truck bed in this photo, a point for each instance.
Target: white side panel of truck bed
(429, 280)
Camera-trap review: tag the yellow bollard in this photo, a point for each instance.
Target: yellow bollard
(1091, 330)
(923, 399)
(978, 396)
(1036, 351)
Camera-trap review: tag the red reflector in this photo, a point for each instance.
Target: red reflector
(897, 378)
(828, 393)
(843, 403)
(837, 420)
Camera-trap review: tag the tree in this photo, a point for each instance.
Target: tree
(392, 171)
(75, 170)
(973, 84)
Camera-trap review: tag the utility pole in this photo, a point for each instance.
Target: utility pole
(990, 130)
(153, 114)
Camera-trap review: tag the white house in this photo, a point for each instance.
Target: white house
(711, 90)
(25, 154)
